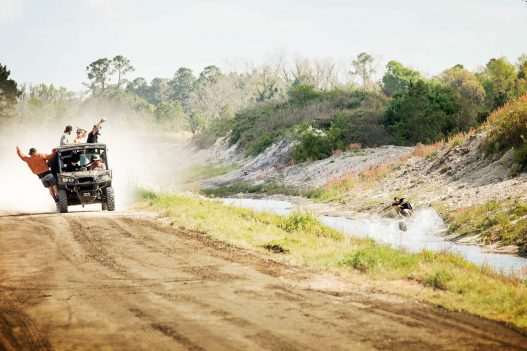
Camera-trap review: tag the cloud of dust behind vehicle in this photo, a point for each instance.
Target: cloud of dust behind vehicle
(139, 155)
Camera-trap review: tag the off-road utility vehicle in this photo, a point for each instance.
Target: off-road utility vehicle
(78, 184)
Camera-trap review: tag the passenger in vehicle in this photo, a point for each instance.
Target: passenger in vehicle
(96, 163)
(73, 165)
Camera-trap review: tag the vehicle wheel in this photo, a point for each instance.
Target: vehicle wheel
(110, 199)
(63, 201)
(104, 206)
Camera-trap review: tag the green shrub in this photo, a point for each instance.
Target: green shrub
(344, 117)
(494, 221)
(299, 221)
(217, 128)
(508, 129)
(360, 260)
(438, 280)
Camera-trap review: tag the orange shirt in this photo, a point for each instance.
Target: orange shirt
(36, 162)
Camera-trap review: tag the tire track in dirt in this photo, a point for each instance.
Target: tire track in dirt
(122, 281)
(19, 332)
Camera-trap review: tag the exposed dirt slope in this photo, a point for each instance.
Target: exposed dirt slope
(128, 282)
(275, 164)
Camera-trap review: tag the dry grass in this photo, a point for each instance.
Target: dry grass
(445, 279)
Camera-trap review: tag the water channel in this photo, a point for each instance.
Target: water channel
(424, 232)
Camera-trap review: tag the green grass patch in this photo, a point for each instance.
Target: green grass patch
(243, 187)
(443, 278)
(211, 170)
(501, 222)
(508, 130)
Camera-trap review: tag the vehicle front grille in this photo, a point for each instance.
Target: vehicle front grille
(86, 180)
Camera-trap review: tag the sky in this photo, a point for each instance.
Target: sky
(52, 41)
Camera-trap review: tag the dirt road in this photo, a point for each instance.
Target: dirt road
(124, 281)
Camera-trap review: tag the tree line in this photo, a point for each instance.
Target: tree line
(410, 107)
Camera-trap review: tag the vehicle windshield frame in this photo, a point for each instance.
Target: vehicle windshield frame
(85, 153)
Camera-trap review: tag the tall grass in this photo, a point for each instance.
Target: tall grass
(495, 222)
(442, 278)
(508, 129)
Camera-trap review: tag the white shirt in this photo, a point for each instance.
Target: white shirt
(65, 139)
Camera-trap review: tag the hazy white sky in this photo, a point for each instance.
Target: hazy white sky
(52, 41)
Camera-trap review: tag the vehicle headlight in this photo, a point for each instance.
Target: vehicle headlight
(104, 177)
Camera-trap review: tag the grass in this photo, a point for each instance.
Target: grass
(210, 170)
(243, 187)
(508, 130)
(337, 187)
(440, 278)
(496, 222)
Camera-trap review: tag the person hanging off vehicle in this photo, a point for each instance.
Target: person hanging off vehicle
(402, 207)
(38, 165)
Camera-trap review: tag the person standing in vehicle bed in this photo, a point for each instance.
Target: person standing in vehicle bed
(81, 135)
(66, 138)
(38, 165)
(93, 136)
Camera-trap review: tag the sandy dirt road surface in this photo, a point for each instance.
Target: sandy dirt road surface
(126, 281)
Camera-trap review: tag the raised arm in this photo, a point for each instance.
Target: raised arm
(98, 125)
(21, 155)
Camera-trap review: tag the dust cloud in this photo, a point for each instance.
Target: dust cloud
(139, 155)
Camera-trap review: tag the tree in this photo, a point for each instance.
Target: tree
(122, 66)
(363, 65)
(498, 78)
(209, 75)
(47, 103)
(196, 121)
(182, 85)
(8, 91)
(397, 78)
(267, 85)
(140, 87)
(520, 85)
(171, 115)
(469, 93)
(521, 61)
(98, 73)
(425, 114)
(160, 90)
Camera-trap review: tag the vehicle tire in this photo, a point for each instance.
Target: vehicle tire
(104, 206)
(110, 199)
(63, 201)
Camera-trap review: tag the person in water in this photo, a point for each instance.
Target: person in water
(402, 207)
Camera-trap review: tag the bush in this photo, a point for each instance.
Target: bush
(217, 128)
(438, 280)
(312, 145)
(493, 221)
(508, 129)
(345, 117)
(360, 261)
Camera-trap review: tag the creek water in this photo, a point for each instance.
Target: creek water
(423, 232)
